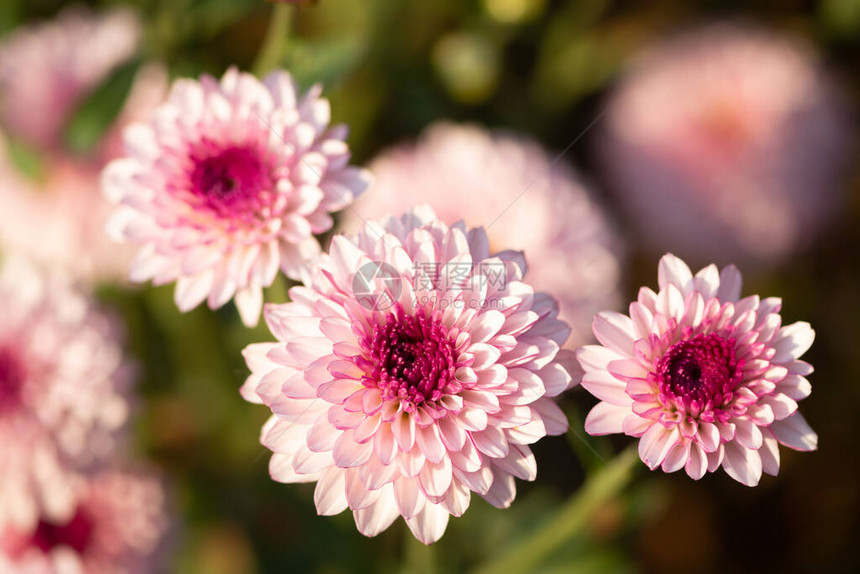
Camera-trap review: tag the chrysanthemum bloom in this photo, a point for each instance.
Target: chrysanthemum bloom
(728, 143)
(509, 185)
(48, 69)
(115, 527)
(62, 379)
(703, 377)
(412, 370)
(228, 182)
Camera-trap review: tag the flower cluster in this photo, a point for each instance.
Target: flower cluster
(67, 504)
(413, 364)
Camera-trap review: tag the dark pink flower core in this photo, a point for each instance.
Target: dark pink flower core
(12, 377)
(77, 534)
(232, 182)
(700, 374)
(410, 358)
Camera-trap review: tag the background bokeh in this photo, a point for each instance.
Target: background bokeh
(544, 68)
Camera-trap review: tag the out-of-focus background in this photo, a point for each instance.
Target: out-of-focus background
(724, 131)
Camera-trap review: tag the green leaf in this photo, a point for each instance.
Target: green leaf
(591, 451)
(96, 114)
(10, 15)
(841, 17)
(210, 17)
(274, 44)
(26, 159)
(326, 61)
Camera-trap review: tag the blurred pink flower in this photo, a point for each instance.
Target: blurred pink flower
(116, 526)
(228, 182)
(727, 143)
(59, 220)
(507, 184)
(62, 379)
(703, 377)
(59, 223)
(47, 70)
(413, 369)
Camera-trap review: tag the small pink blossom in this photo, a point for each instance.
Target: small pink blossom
(703, 377)
(228, 182)
(727, 143)
(508, 184)
(62, 384)
(412, 369)
(116, 527)
(48, 69)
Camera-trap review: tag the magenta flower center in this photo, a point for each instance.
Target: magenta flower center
(77, 534)
(12, 377)
(230, 181)
(699, 374)
(411, 358)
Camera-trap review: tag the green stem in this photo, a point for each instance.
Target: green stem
(419, 558)
(272, 50)
(604, 485)
(591, 451)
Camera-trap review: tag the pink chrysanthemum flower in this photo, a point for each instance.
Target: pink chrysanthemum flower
(729, 143)
(47, 70)
(412, 370)
(228, 182)
(508, 184)
(62, 378)
(703, 377)
(116, 527)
